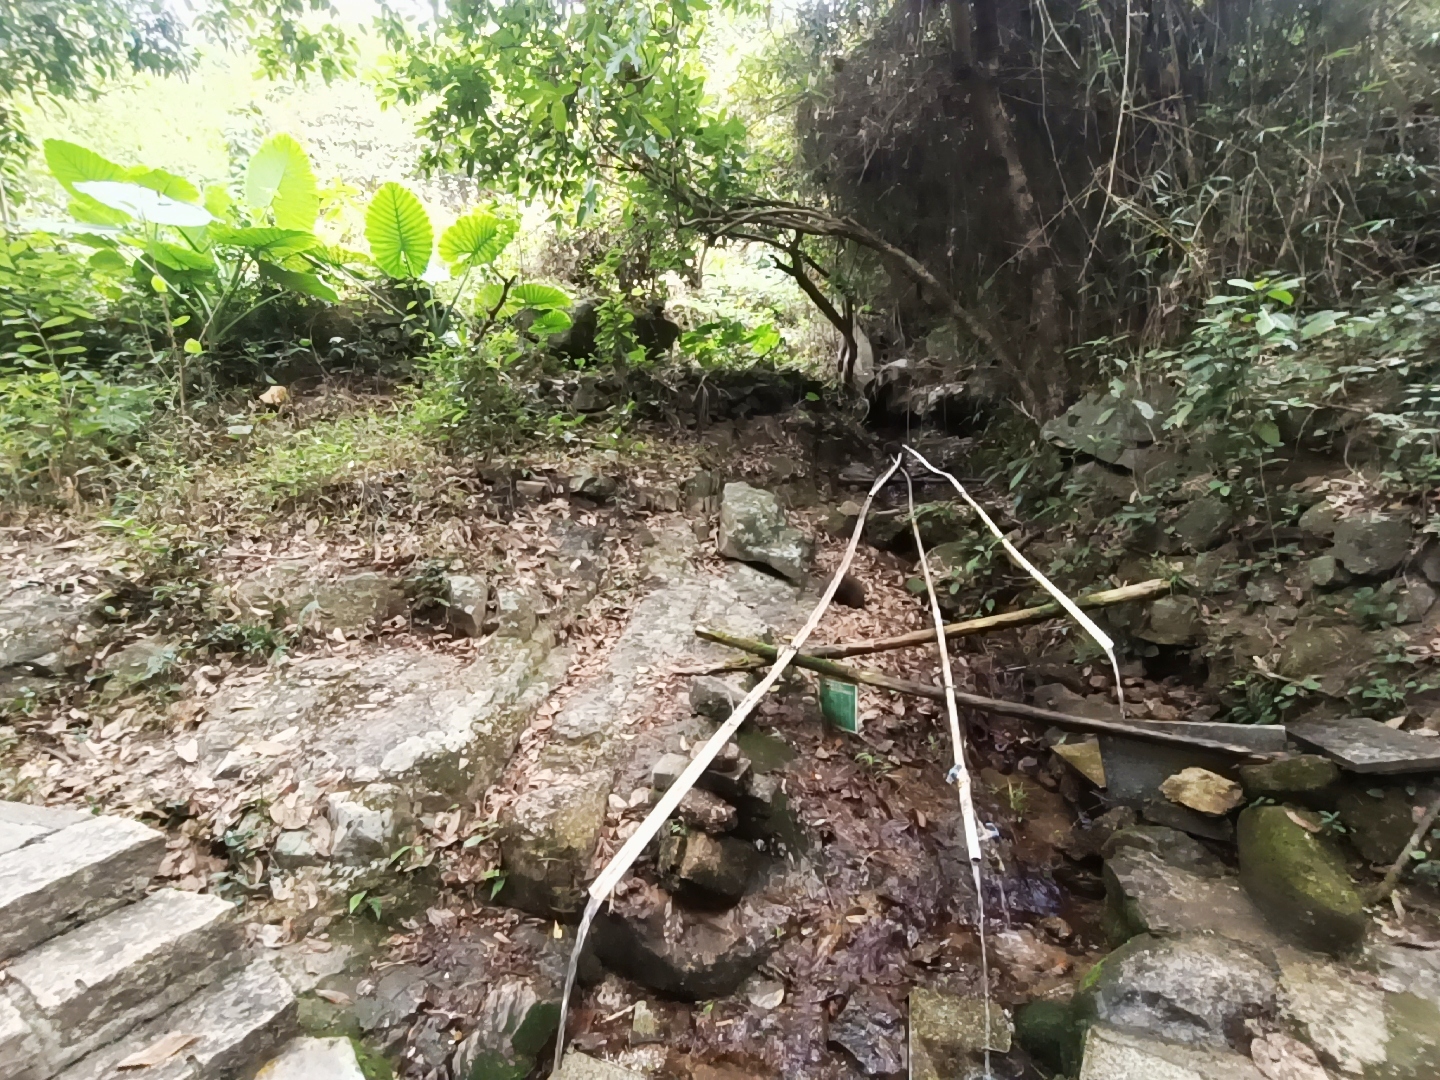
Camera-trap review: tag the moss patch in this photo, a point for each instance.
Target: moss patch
(1298, 881)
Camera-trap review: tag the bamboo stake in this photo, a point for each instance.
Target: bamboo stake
(1145, 590)
(619, 864)
(879, 680)
(959, 771)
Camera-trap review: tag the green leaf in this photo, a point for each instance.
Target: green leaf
(144, 203)
(550, 322)
(538, 296)
(71, 163)
(296, 281)
(179, 258)
(193, 346)
(264, 238)
(218, 201)
(166, 183)
(477, 239)
(279, 178)
(158, 283)
(399, 232)
(1268, 433)
(108, 259)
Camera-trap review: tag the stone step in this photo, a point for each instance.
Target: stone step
(20, 1050)
(235, 1024)
(60, 879)
(21, 823)
(98, 982)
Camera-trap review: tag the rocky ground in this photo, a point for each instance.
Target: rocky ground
(404, 749)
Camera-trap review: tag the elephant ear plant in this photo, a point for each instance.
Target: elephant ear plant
(401, 240)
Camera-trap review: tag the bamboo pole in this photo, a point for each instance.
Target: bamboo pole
(879, 680)
(1145, 590)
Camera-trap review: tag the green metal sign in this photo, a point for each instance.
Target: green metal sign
(838, 705)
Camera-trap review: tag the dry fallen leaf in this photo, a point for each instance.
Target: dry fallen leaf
(1204, 791)
(158, 1052)
(1304, 823)
(1279, 1057)
(335, 997)
(188, 751)
(276, 395)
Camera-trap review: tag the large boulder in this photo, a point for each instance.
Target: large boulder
(1112, 1054)
(1172, 620)
(1298, 880)
(753, 528)
(1372, 545)
(1379, 820)
(1202, 525)
(548, 841)
(518, 1017)
(1327, 654)
(1102, 427)
(1191, 988)
(1308, 779)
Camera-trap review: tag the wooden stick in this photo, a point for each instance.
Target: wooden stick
(845, 673)
(1392, 876)
(1145, 590)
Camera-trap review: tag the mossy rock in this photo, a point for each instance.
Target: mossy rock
(1378, 821)
(372, 1065)
(1052, 1034)
(1304, 778)
(1298, 880)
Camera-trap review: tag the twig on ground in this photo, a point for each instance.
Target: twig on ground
(1392, 876)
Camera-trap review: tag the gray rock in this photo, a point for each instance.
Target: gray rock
(94, 984)
(361, 834)
(312, 1059)
(468, 598)
(1112, 1054)
(515, 614)
(1145, 894)
(1189, 988)
(753, 528)
(714, 697)
(294, 848)
(1362, 745)
(45, 632)
(872, 1031)
(1372, 545)
(1172, 620)
(667, 770)
(1170, 846)
(717, 867)
(594, 486)
(548, 839)
(1327, 654)
(702, 492)
(1413, 602)
(1379, 825)
(1320, 519)
(1203, 524)
(707, 812)
(578, 1066)
(21, 823)
(519, 1016)
(1102, 427)
(954, 1031)
(238, 1021)
(1298, 881)
(695, 956)
(71, 876)
(1429, 562)
(1326, 572)
(1338, 1015)
(21, 1051)
(141, 661)
(350, 601)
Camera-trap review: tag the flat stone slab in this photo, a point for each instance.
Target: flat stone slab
(1367, 746)
(1112, 1054)
(410, 715)
(235, 1023)
(95, 984)
(314, 1059)
(1151, 896)
(21, 823)
(72, 875)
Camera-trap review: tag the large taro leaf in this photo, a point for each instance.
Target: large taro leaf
(399, 232)
(279, 178)
(477, 239)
